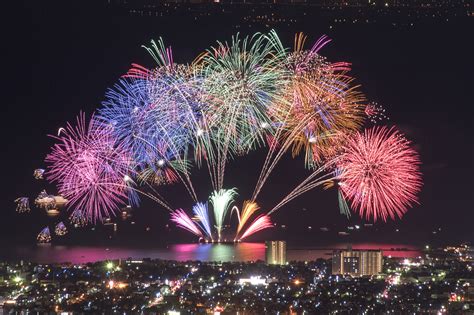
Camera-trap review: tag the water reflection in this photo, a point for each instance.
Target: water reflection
(183, 252)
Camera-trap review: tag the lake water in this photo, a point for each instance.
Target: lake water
(183, 252)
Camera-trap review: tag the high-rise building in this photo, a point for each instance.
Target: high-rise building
(357, 262)
(275, 252)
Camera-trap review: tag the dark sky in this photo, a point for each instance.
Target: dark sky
(61, 58)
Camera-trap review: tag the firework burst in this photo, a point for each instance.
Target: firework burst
(60, 229)
(90, 167)
(44, 236)
(22, 204)
(375, 113)
(379, 173)
(38, 173)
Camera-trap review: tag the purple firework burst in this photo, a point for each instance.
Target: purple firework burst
(90, 168)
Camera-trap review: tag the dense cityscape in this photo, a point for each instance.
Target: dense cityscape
(439, 281)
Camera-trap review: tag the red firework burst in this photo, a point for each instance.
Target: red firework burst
(380, 173)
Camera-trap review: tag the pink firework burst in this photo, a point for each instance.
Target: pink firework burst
(90, 168)
(380, 173)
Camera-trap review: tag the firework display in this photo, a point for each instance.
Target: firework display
(157, 125)
(89, 167)
(60, 229)
(45, 201)
(201, 213)
(38, 173)
(375, 113)
(380, 173)
(22, 204)
(221, 202)
(44, 236)
(78, 219)
(262, 222)
(184, 221)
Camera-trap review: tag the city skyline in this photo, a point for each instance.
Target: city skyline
(237, 157)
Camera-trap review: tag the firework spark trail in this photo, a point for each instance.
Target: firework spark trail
(307, 185)
(243, 80)
(271, 161)
(162, 55)
(190, 115)
(201, 213)
(315, 179)
(343, 206)
(156, 197)
(261, 223)
(184, 221)
(182, 166)
(318, 99)
(173, 102)
(380, 173)
(132, 195)
(221, 200)
(248, 209)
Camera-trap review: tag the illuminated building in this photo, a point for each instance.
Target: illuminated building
(253, 281)
(275, 252)
(357, 262)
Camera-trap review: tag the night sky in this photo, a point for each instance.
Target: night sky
(60, 60)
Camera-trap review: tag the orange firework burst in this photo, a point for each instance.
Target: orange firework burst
(320, 103)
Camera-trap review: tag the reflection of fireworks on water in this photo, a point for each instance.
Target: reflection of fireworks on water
(380, 173)
(44, 236)
(375, 113)
(60, 229)
(22, 204)
(38, 173)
